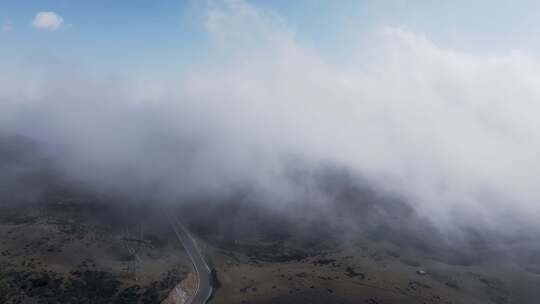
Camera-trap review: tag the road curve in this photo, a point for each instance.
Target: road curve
(204, 287)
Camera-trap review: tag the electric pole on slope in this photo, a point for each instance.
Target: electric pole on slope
(133, 245)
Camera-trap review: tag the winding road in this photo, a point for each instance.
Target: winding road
(203, 271)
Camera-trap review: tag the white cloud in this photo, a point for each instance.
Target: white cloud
(47, 21)
(7, 26)
(455, 133)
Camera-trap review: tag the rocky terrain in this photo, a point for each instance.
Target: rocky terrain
(280, 259)
(62, 253)
(69, 253)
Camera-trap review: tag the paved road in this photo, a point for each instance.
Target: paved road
(204, 288)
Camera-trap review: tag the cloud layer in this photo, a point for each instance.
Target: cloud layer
(452, 133)
(47, 21)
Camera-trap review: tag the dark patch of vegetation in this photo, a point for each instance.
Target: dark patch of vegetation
(70, 226)
(155, 241)
(533, 269)
(410, 262)
(15, 285)
(323, 261)
(393, 253)
(440, 277)
(128, 295)
(496, 289)
(352, 273)
(263, 236)
(96, 286)
(16, 216)
(454, 257)
(452, 284)
(82, 286)
(214, 281)
(276, 252)
(415, 284)
(151, 294)
(170, 279)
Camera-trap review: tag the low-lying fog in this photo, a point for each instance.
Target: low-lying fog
(454, 135)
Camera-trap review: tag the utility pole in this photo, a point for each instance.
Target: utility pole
(133, 245)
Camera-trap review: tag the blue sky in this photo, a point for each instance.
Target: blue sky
(161, 36)
(106, 34)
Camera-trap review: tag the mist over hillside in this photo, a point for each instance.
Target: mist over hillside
(247, 151)
(333, 206)
(448, 134)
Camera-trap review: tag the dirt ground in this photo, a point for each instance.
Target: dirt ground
(373, 274)
(64, 255)
(68, 253)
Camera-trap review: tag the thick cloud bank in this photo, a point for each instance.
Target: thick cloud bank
(455, 134)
